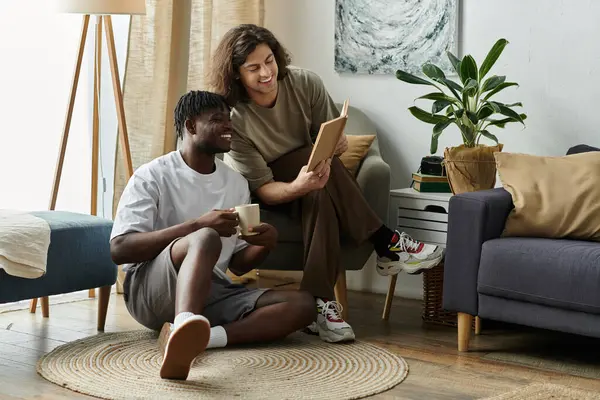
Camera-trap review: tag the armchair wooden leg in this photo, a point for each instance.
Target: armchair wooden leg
(389, 297)
(103, 299)
(45, 307)
(465, 322)
(341, 294)
(33, 305)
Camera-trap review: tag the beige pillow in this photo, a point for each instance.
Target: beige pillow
(358, 146)
(554, 197)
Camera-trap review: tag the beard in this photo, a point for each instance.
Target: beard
(210, 148)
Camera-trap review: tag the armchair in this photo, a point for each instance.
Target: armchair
(544, 283)
(374, 179)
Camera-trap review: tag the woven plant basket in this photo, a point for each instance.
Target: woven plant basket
(470, 169)
(433, 297)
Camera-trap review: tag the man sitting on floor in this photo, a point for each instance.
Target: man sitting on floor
(175, 229)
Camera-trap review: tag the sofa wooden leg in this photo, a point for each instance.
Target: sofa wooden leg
(341, 294)
(103, 298)
(92, 293)
(33, 305)
(465, 322)
(45, 307)
(477, 325)
(389, 297)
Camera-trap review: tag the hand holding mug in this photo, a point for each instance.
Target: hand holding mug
(264, 235)
(222, 221)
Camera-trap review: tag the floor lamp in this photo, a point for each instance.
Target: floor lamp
(102, 9)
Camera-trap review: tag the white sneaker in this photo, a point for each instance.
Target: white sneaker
(414, 256)
(330, 324)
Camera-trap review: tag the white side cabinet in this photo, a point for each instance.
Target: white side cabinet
(424, 216)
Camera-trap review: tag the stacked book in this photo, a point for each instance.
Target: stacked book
(430, 183)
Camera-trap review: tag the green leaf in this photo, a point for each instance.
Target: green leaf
(504, 110)
(494, 106)
(439, 105)
(433, 147)
(437, 131)
(519, 104)
(455, 62)
(492, 83)
(489, 136)
(470, 88)
(492, 57)
(499, 88)
(468, 69)
(450, 111)
(485, 112)
(436, 96)
(459, 113)
(410, 78)
(440, 126)
(473, 117)
(427, 117)
(501, 123)
(454, 87)
(433, 71)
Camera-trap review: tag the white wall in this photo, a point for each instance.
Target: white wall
(553, 54)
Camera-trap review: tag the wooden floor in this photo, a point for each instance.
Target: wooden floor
(437, 370)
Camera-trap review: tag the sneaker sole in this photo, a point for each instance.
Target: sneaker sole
(332, 337)
(416, 269)
(411, 269)
(182, 346)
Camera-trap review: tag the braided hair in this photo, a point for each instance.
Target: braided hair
(194, 104)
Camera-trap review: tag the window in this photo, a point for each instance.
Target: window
(38, 49)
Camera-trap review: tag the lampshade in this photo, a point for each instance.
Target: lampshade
(101, 6)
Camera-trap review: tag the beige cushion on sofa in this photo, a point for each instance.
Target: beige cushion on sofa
(554, 197)
(358, 146)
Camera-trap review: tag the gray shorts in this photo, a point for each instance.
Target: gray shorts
(149, 293)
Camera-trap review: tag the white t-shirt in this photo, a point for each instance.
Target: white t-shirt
(167, 192)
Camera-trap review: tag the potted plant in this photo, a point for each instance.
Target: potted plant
(469, 106)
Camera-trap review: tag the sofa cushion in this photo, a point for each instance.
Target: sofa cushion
(554, 197)
(552, 272)
(358, 147)
(289, 229)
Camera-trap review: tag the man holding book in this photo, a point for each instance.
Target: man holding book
(277, 112)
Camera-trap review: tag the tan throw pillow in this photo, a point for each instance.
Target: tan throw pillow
(554, 197)
(358, 146)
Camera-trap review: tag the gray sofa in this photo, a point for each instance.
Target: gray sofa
(374, 179)
(545, 283)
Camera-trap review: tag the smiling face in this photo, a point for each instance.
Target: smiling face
(258, 74)
(211, 132)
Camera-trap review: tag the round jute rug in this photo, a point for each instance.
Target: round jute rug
(126, 365)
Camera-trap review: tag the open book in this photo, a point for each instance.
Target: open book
(327, 139)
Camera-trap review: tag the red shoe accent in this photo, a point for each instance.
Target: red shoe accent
(419, 248)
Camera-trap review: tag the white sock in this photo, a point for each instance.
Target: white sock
(181, 317)
(218, 337)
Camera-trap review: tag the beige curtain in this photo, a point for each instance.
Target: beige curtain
(169, 53)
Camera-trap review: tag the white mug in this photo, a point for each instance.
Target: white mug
(249, 215)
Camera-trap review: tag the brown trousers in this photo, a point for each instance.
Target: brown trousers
(338, 209)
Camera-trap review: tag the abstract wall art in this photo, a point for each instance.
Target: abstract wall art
(382, 36)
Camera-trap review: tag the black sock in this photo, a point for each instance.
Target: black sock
(382, 239)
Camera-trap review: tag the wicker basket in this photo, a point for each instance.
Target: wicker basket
(433, 290)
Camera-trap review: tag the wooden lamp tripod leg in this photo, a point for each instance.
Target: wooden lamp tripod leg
(114, 68)
(96, 124)
(63, 141)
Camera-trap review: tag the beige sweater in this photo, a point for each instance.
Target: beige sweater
(262, 134)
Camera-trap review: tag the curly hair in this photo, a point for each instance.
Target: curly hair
(231, 53)
(194, 104)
